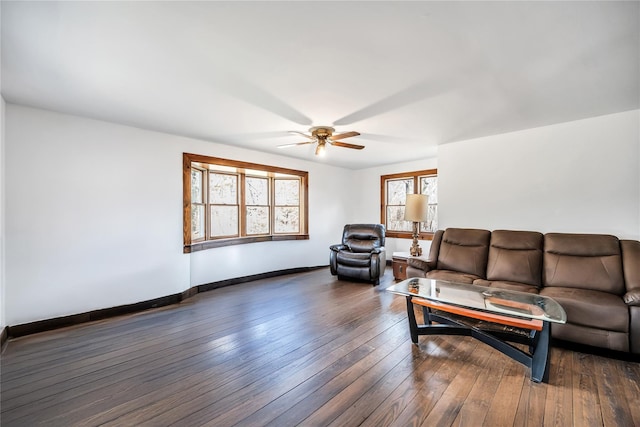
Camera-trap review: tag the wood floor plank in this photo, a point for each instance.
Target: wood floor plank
(316, 391)
(226, 395)
(585, 392)
(301, 349)
(559, 401)
(360, 384)
(629, 373)
(428, 358)
(478, 401)
(611, 391)
(448, 407)
(531, 407)
(253, 357)
(181, 351)
(504, 404)
(382, 391)
(430, 392)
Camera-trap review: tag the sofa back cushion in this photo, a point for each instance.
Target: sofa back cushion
(464, 250)
(363, 237)
(516, 256)
(584, 261)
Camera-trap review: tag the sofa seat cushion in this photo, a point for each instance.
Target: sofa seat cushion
(595, 309)
(451, 276)
(354, 259)
(512, 286)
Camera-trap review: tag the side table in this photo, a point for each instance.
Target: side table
(400, 265)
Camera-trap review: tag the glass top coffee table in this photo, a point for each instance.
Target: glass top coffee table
(530, 313)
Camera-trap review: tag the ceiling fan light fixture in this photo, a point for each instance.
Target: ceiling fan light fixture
(322, 135)
(321, 149)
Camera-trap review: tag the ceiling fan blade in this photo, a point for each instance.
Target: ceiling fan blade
(346, 145)
(295, 143)
(303, 134)
(343, 135)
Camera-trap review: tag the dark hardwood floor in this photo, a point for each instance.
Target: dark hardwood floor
(302, 349)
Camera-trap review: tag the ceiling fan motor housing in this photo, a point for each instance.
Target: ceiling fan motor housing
(321, 132)
(323, 135)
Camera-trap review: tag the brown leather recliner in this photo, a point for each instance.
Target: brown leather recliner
(361, 255)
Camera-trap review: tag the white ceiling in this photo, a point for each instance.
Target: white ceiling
(407, 75)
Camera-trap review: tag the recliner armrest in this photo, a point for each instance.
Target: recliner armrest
(632, 297)
(338, 248)
(377, 250)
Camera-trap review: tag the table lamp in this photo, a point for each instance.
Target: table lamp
(415, 209)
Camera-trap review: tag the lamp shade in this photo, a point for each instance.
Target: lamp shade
(416, 208)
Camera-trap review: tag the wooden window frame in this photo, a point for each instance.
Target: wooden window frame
(415, 175)
(272, 171)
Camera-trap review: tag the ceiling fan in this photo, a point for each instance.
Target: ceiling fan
(323, 135)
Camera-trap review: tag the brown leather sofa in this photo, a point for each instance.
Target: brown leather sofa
(595, 277)
(361, 255)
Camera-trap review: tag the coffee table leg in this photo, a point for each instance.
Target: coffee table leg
(413, 324)
(426, 315)
(540, 356)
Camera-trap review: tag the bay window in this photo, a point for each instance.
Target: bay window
(227, 202)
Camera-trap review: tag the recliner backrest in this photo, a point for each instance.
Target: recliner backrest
(585, 261)
(516, 256)
(464, 250)
(363, 237)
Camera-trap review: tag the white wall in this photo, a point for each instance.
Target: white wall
(580, 176)
(3, 321)
(74, 244)
(94, 216)
(367, 198)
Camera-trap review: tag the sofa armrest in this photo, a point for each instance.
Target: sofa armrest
(338, 248)
(419, 263)
(632, 297)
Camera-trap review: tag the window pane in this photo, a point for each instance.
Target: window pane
(196, 186)
(258, 220)
(224, 221)
(256, 191)
(429, 186)
(223, 189)
(287, 219)
(287, 192)
(197, 222)
(397, 190)
(431, 225)
(395, 219)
